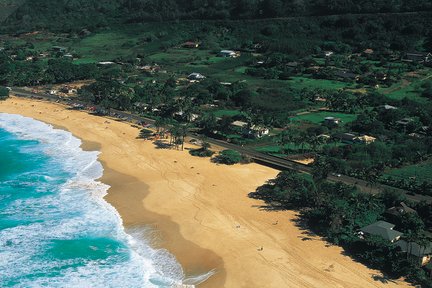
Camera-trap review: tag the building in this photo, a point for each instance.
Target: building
(418, 254)
(228, 54)
(364, 139)
(347, 138)
(346, 75)
(195, 77)
(368, 51)
(255, 131)
(400, 209)
(332, 121)
(59, 49)
(190, 44)
(404, 122)
(418, 57)
(239, 124)
(382, 229)
(105, 63)
(395, 213)
(388, 107)
(327, 53)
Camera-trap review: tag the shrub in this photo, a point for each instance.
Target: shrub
(201, 152)
(228, 157)
(4, 93)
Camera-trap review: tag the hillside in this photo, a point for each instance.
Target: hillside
(7, 7)
(25, 15)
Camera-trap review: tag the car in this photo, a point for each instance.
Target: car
(336, 174)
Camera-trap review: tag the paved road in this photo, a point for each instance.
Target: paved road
(260, 158)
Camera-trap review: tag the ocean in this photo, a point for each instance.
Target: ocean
(56, 230)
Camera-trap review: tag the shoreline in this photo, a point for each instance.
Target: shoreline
(200, 211)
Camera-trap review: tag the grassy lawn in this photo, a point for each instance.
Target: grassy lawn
(221, 113)
(318, 117)
(408, 87)
(181, 56)
(305, 82)
(421, 172)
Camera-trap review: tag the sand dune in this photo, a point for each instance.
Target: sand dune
(201, 212)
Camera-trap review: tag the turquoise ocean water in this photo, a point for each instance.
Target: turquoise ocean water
(55, 228)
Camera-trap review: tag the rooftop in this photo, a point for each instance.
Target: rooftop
(383, 229)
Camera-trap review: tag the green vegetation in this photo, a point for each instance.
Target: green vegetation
(4, 93)
(228, 157)
(420, 172)
(318, 117)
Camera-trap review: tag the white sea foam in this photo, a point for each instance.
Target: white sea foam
(80, 201)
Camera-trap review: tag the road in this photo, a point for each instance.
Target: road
(259, 158)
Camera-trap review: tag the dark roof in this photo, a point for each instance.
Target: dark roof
(414, 248)
(383, 229)
(405, 121)
(400, 209)
(418, 56)
(345, 136)
(345, 75)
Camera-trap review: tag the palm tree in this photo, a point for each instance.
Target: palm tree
(183, 131)
(205, 145)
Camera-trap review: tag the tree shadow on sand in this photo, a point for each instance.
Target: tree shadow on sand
(383, 279)
(162, 145)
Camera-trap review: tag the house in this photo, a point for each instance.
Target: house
(420, 255)
(397, 211)
(382, 229)
(332, 121)
(190, 44)
(364, 139)
(183, 116)
(195, 77)
(68, 55)
(150, 68)
(255, 131)
(351, 138)
(419, 57)
(228, 54)
(388, 107)
(346, 75)
(258, 131)
(59, 49)
(239, 124)
(84, 32)
(327, 53)
(105, 63)
(404, 122)
(293, 64)
(347, 138)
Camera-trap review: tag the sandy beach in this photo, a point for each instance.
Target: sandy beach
(201, 212)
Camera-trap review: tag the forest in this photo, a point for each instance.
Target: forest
(75, 14)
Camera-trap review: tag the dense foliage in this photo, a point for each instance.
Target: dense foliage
(4, 93)
(66, 14)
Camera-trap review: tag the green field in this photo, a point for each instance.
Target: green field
(409, 87)
(318, 117)
(420, 172)
(305, 82)
(221, 113)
